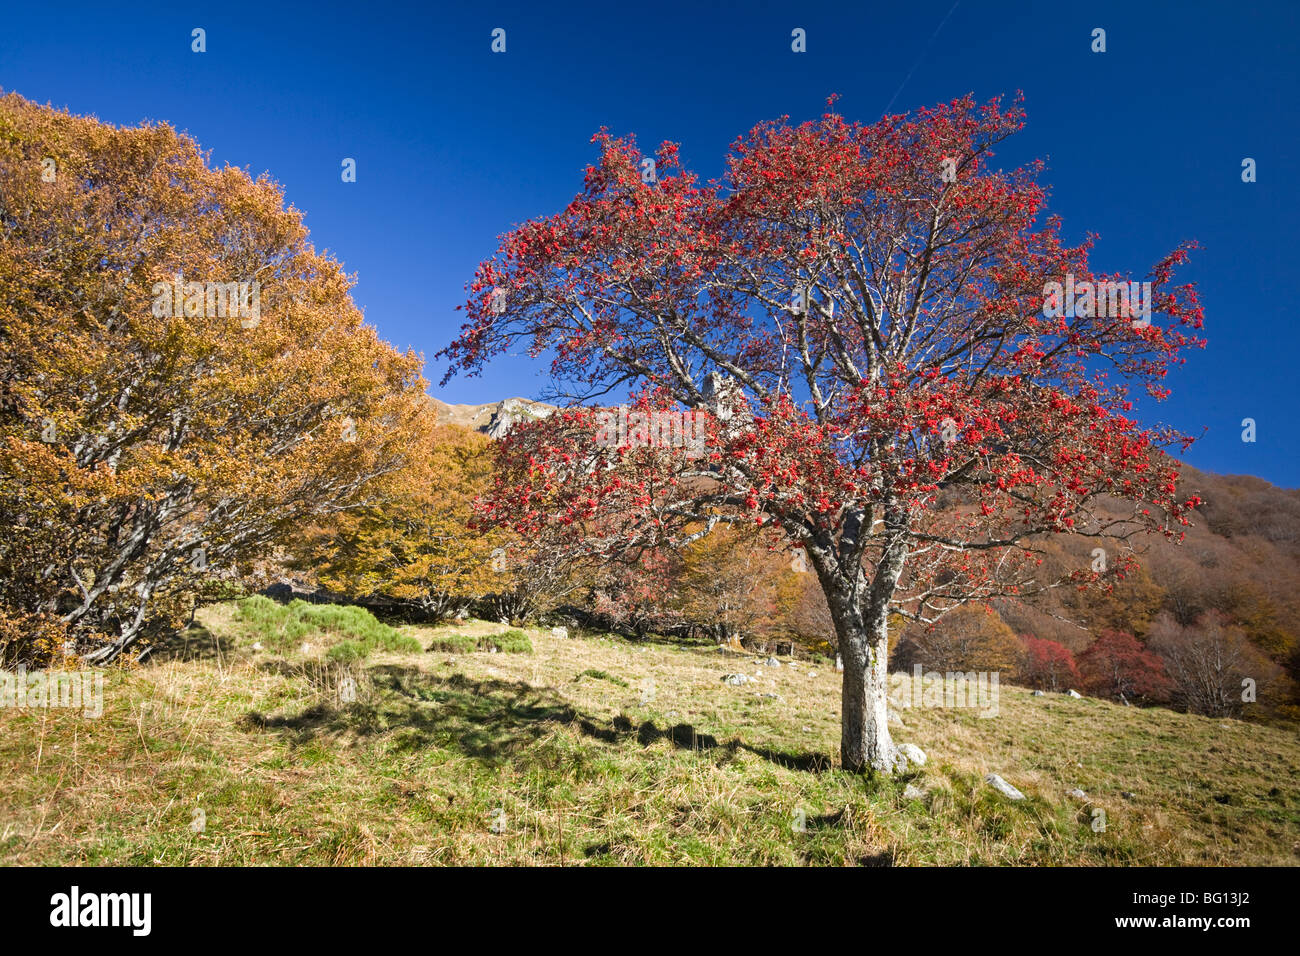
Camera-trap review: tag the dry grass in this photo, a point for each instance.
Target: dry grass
(596, 750)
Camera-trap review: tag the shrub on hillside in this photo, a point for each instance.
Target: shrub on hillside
(513, 642)
(600, 675)
(455, 643)
(347, 652)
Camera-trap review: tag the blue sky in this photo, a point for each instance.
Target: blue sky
(455, 144)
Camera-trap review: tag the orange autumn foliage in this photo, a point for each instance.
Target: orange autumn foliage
(149, 453)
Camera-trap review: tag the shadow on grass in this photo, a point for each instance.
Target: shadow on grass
(686, 737)
(489, 719)
(192, 643)
(808, 761)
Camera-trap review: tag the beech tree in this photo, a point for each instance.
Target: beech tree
(865, 312)
(729, 584)
(412, 543)
(971, 638)
(809, 618)
(1211, 662)
(186, 380)
(635, 594)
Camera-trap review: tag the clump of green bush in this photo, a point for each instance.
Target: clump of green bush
(600, 675)
(283, 626)
(513, 642)
(346, 652)
(455, 643)
(507, 642)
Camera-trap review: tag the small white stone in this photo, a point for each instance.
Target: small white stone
(1002, 787)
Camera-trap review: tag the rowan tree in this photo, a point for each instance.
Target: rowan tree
(149, 444)
(861, 310)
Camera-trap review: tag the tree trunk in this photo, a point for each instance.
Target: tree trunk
(860, 613)
(865, 743)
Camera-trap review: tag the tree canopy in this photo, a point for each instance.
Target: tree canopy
(186, 379)
(871, 316)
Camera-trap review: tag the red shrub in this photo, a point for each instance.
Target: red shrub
(1116, 665)
(1047, 665)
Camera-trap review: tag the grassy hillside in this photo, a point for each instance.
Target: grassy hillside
(594, 750)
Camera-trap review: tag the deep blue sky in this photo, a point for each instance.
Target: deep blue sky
(455, 144)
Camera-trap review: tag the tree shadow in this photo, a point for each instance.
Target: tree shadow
(881, 858)
(489, 719)
(686, 737)
(191, 643)
(807, 761)
(682, 736)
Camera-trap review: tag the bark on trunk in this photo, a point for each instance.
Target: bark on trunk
(865, 743)
(861, 617)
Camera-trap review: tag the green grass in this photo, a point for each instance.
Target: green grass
(600, 675)
(507, 642)
(514, 642)
(350, 633)
(643, 757)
